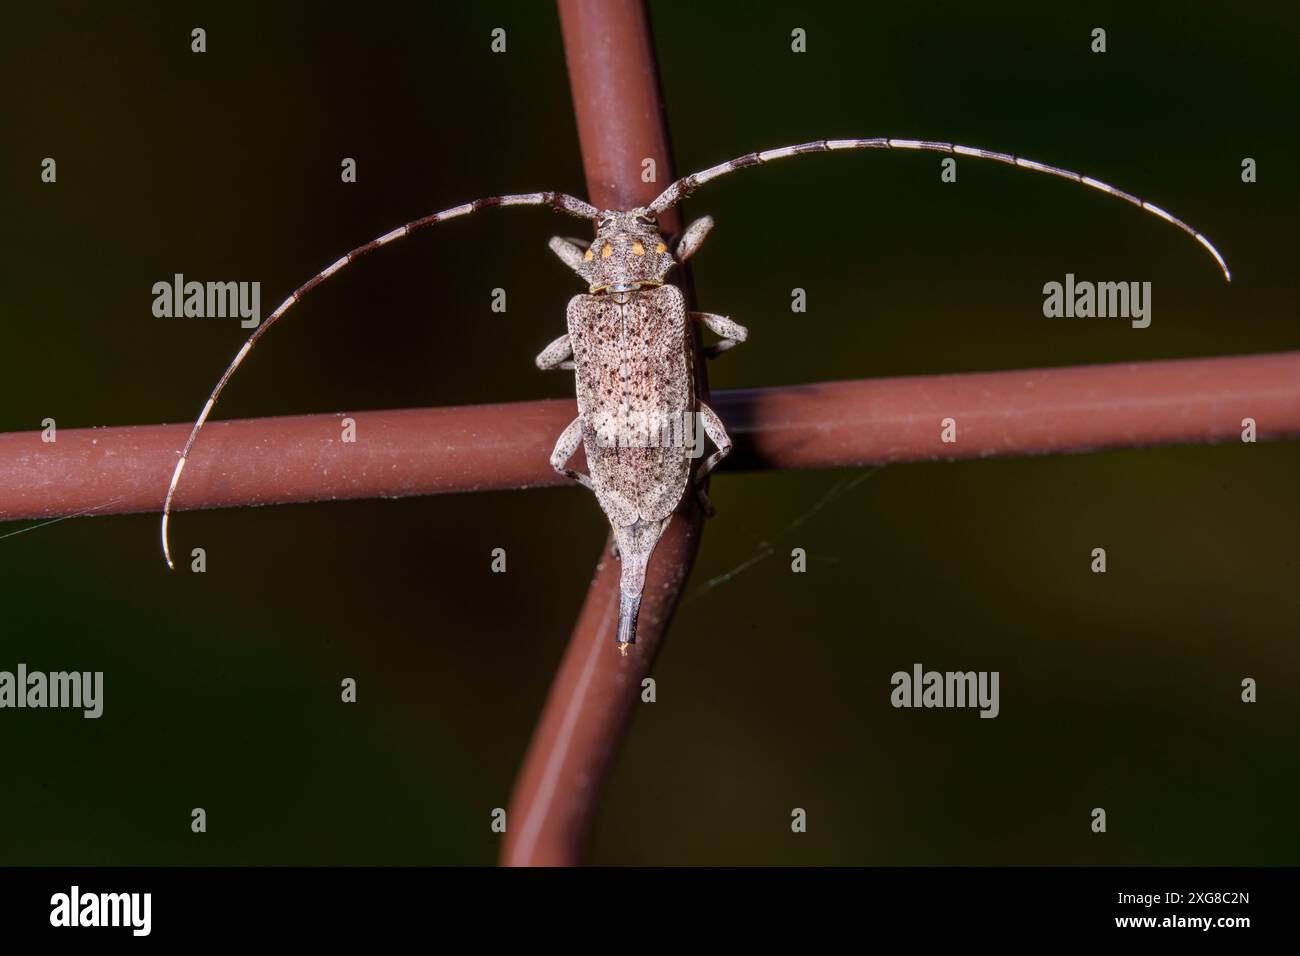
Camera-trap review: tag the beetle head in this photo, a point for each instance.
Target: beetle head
(627, 254)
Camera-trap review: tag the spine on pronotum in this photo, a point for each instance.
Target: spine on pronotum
(623, 333)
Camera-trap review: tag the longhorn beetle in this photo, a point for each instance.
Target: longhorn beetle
(630, 347)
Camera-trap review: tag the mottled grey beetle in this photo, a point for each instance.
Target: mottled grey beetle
(630, 347)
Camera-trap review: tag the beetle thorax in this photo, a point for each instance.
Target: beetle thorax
(627, 254)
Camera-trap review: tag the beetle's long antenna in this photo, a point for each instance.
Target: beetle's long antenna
(560, 202)
(684, 186)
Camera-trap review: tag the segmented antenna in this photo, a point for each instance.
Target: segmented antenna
(560, 202)
(687, 184)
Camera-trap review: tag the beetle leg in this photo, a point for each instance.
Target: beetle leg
(569, 250)
(713, 427)
(732, 333)
(559, 354)
(565, 448)
(692, 238)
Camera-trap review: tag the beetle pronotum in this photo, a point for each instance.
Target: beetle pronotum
(630, 348)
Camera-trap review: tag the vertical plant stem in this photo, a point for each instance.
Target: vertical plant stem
(616, 98)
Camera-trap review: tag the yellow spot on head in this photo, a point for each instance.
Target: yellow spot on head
(660, 248)
(637, 248)
(607, 251)
(586, 256)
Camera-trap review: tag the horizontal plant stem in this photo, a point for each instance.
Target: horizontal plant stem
(502, 446)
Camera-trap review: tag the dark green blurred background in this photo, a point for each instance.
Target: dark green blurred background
(1120, 691)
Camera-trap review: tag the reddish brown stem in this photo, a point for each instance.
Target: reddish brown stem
(487, 447)
(615, 87)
